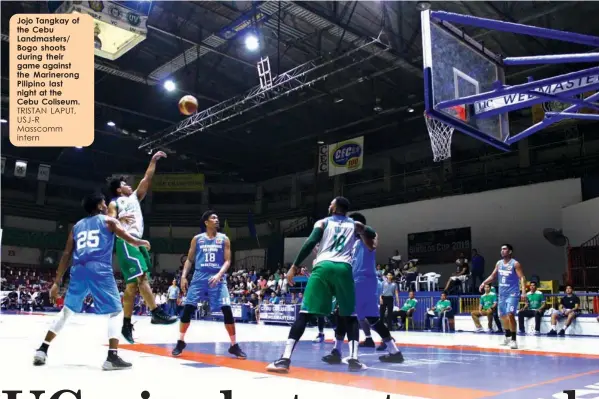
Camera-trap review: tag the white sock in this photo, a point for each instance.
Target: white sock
(368, 336)
(289, 348)
(353, 349)
(233, 342)
(391, 347)
(182, 336)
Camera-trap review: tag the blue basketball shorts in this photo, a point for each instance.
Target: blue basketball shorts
(507, 304)
(367, 300)
(199, 290)
(96, 279)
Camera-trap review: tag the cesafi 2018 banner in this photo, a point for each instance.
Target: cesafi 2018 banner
(176, 182)
(346, 156)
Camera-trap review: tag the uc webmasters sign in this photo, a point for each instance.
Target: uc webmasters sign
(346, 156)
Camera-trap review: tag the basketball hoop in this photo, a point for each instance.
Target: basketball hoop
(440, 134)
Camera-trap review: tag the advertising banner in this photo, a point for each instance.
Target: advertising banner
(346, 156)
(278, 313)
(439, 247)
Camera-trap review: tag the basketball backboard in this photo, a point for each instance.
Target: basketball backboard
(465, 89)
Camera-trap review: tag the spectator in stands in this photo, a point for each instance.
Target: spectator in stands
(487, 307)
(462, 273)
(300, 298)
(173, 293)
(407, 309)
(569, 307)
(410, 272)
(534, 307)
(477, 269)
(274, 299)
(389, 292)
(441, 310)
(395, 260)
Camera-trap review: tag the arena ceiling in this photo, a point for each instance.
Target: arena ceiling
(373, 98)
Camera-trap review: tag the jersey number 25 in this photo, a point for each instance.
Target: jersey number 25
(88, 239)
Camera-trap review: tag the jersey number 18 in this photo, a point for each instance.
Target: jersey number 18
(338, 243)
(209, 257)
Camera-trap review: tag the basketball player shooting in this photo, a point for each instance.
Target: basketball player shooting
(135, 262)
(331, 276)
(512, 288)
(211, 253)
(90, 245)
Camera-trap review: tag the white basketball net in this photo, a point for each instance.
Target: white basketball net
(440, 134)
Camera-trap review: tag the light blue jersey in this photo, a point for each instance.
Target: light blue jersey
(93, 241)
(509, 282)
(363, 261)
(210, 254)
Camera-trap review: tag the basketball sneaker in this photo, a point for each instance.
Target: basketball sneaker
(506, 341)
(562, 333)
(513, 345)
(159, 316)
(115, 363)
(39, 359)
(127, 331)
(236, 351)
(179, 348)
(279, 366)
(367, 343)
(392, 358)
(354, 365)
(332, 358)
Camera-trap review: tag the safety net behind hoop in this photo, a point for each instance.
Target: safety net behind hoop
(441, 133)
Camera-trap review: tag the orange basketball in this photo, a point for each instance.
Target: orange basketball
(188, 105)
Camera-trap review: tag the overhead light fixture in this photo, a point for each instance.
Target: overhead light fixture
(169, 85)
(320, 142)
(142, 130)
(251, 42)
(338, 100)
(111, 123)
(410, 110)
(3, 120)
(377, 108)
(423, 5)
(78, 147)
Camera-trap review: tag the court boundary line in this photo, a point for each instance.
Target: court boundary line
(388, 386)
(469, 348)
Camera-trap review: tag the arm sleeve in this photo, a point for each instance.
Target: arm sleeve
(308, 246)
(369, 232)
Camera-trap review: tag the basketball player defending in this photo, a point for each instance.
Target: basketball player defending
(364, 274)
(135, 262)
(211, 253)
(331, 276)
(90, 245)
(512, 288)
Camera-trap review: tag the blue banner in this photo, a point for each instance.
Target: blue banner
(279, 313)
(242, 23)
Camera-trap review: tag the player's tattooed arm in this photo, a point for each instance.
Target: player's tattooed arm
(522, 277)
(216, 278)
(191, 255)
(65, 260)
(144, 184)
(115, 226)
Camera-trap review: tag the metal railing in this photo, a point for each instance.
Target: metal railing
(583, 265)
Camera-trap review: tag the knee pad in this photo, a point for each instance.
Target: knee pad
(60, 320)
(187, 312)
(228, 314)
(114, 325)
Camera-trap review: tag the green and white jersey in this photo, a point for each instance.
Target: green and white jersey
(488, 300)
(129, 206)
(535, 299)
(337, 241)
(409, 304)
(442, 306)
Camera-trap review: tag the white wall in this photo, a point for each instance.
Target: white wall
(514, 215)
(29, 223)
(24, 255)
(168, 262)
(292, 248)
(580, 222)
